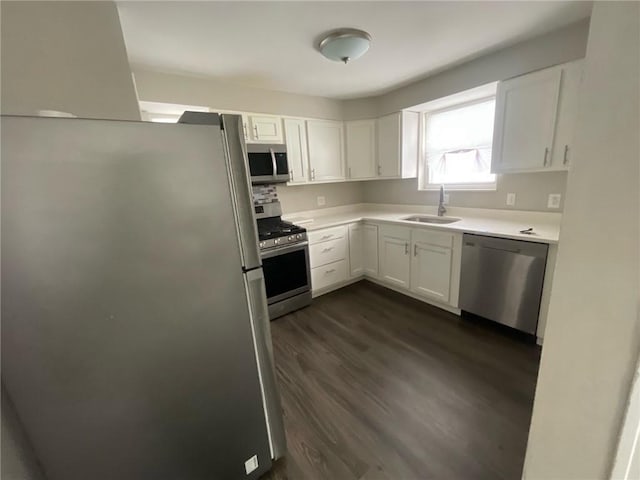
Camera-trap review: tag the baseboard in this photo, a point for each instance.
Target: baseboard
(441, 306)
(337, 286)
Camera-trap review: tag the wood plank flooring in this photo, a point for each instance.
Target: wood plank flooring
(376, 385)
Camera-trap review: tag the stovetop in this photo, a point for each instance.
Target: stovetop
(274, 231)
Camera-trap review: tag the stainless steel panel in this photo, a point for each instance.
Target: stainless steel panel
(264, 348)
(289, 305)
(127, 344)
(241, 186)
(502, 280)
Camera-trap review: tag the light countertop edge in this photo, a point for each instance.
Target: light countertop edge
(502, 224)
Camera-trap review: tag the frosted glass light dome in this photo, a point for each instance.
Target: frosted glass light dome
(345, 44)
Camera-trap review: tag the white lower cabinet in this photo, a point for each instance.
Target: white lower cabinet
(370, 250)
(327, 276)
(363, 250)
(431, 264)
(395, 262)
(423, 262)
(328, 258)
(356, 249)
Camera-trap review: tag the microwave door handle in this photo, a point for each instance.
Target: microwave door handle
(273, 162)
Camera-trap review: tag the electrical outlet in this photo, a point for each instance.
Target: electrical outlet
(445, 199)
(511, 199)
(321, 201)
(251, 464)
(554, 200)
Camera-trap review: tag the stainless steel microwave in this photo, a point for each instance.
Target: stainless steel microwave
(268, 163)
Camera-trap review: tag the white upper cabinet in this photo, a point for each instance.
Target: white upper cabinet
(534, 122)
(525, 121)
(361, 149)
(326, 150)
(567, 114)
(262, 128)
(398, 145)
(297, 156)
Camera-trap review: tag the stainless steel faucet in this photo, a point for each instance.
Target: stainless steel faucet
(441, 209)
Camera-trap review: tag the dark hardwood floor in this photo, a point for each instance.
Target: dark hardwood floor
(376, 385)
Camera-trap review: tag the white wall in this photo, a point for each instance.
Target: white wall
(593, 329)
(66, 56)
(531, 189)
(189, 90)
(304, 197)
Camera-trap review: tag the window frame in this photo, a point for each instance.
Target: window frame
(423, 169)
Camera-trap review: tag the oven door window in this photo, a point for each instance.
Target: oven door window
(260, 164)
(285, 273)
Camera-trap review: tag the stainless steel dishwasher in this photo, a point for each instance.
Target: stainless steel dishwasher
(502, 280)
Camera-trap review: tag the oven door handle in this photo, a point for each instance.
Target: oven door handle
(284, 249)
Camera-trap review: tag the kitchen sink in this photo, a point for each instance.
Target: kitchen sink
(431, 219)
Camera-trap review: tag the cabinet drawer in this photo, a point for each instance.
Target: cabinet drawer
(441, 239)
(327, 275)
(327, 252)
(327, 234)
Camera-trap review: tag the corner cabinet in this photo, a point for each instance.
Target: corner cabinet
(397, 145)
(534, 121)
(363, 250)
(326, 150)
(361, 149)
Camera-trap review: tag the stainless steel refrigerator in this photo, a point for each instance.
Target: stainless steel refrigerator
(135, 333)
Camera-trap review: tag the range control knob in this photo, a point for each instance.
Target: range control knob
(290, 237)
(276, 241)
(299, 236)
(261, 244)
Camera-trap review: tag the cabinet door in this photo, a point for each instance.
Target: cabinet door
(265, 129)
(326, 150)
(567, 114)
(389, 138)
(431, 271)
(525, 122)
(395, 262)
(356, 250)
(361, 149)
(370, 249)
(296, 141)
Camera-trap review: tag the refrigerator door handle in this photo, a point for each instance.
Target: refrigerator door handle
(242, 195)
(261, 331)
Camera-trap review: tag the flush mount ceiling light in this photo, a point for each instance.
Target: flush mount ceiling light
(345, 44)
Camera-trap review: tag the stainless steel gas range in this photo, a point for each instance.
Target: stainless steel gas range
(284, 250)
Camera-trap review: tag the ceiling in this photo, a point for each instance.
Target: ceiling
(272, 45)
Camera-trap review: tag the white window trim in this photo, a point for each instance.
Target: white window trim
(423, 182)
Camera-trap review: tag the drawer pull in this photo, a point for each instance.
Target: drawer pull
(327, 272)
(328, 249)
(325, 237)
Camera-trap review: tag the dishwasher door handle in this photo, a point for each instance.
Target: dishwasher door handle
(517, 250)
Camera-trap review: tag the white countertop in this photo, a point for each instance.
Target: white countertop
(496, 223)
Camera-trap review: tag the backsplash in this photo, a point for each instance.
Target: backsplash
(264, 194)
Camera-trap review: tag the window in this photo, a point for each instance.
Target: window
(457, 151)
